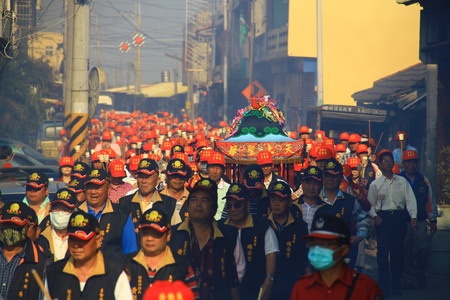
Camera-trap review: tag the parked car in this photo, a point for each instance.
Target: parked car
(12, 181)
(48, 139)
(26, 150)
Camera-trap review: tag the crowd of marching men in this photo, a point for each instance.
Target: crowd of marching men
(152, 195)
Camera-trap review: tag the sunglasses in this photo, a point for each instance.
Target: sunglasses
(236, 205)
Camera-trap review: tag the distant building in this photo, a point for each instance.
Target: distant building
(47, 46)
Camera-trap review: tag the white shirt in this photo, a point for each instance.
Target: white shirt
(308, 212)
(60, 245)
(392, 194)
(147, 205)
(122, 290)
(222, 189)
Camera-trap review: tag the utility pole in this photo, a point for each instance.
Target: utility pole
(251, 61)
(68, 47)
(225, 60)
(80, 80)
(137, 53)
(319, 55)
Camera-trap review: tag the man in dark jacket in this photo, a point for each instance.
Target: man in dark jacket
(86, 274)
(18, 254)
(155, 261)
(208, 246)
(147, 196)
(116, 227)
(291, 261)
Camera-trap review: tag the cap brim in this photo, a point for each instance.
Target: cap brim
(155, 226)
(279, 194)
(324, 234)
(35, 185)
(96, 181)
(146, 172)
(235, 197)
(63, 202)
(177, 173)
(312, 177)
(78, 175)
(19, 221)
(332, 172)
(80, 234)
(76, 191)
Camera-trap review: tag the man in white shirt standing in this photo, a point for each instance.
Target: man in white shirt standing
(389, 195)
(216, 169)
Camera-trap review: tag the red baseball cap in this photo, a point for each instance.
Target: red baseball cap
(410, 155)
(264, 158)
(117, 168)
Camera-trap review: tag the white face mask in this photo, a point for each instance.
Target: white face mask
(60, 219)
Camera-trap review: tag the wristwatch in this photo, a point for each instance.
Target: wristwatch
(269, 277)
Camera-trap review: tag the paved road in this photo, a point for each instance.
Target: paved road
(437, 289)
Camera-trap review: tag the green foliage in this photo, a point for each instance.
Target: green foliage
(444, 175)
(23, 82)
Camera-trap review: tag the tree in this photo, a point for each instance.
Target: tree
(23, 83)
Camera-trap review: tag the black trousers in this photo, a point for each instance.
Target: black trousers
(390, 235)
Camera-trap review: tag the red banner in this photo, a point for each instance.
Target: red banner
(283, 152)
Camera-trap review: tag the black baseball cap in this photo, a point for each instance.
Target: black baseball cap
(147, 166)
(281, 189)
(207, 185)
(98, 177)
(83, 225)
(81, 170)
(253, 177)
(177, 166)
(65, 196)
(312, 172)
(177, 148)
(76, 184)
(155, 218)
(18, 213)
(238, 192)
(37, 179)
(329, 227)
(333, 167)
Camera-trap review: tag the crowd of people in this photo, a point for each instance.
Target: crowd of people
(150, 205)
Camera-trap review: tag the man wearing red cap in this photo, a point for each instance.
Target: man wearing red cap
(417, 243)
(107, 143)
(216, 170)
(66, 164)
(353, 142)
(304, 132)
(369, 170)
(86, 273)
(390, 195)
(118, 188)
(328, 244)
(265, 160)
(402, 145)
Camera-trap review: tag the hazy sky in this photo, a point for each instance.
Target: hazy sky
(113, 21)
(162, 21)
